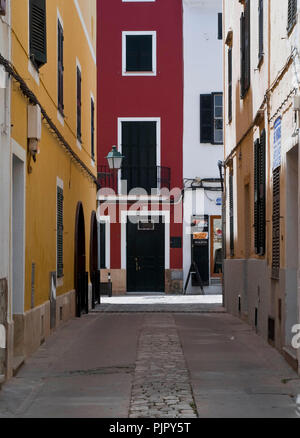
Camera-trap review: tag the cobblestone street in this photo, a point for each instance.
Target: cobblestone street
(158, 365)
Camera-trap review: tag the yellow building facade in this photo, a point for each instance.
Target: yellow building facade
(53, 132)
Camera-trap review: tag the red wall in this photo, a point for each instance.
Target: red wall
(158, 96)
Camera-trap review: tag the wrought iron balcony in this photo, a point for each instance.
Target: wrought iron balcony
(147, 178)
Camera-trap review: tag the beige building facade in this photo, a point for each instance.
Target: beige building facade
(262, 79)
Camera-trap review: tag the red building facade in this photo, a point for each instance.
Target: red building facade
(140, 110)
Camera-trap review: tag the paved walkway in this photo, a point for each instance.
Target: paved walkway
(120, 365)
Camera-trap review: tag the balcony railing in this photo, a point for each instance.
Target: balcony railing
(147, 178)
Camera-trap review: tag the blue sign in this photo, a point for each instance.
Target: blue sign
(277, 144)
(219, 201)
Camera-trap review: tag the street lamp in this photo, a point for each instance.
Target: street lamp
(115, 159)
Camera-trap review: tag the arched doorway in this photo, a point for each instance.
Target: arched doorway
(80, 274)
(94, 268)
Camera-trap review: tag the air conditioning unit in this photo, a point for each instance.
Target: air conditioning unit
(2, 7)
(2, 78)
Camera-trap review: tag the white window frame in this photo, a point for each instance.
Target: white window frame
(154, 51)
(157, 120)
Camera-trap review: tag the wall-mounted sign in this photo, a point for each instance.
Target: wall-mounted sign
(200, 236)
(277, 144)
(219, 201)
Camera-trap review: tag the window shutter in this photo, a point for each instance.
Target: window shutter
(230, 84)
(261, 29)
(206, 118)
(276, 224)
(60, 231)
(231, 215)
(38, 32)
(292, 13)
(262, 194)
(60, 41)
(220, 26)
(242, 34)
(78, 104)
(2, 7)
(247, 46)
(256, 196)
(92, 129)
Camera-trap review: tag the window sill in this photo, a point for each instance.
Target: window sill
(139, 73)
(61, 118)
(79, 144)
(34, 72)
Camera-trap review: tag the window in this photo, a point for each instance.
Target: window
(2, 7)
(218, 118)
(79, 104)
(276, 224)
(103, 245)
(60, 232)
(261, 29)
(220, 26)
(60, 66)
(245, 49)
(211, 118)
(231, 214)
(139, 53)
(260, 194)
(37, 32)
(92, 129)
(292, 14)
(230, 84)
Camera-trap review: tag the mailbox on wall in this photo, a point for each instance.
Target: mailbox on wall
(200, 248)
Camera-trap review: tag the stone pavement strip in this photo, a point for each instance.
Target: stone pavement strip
(161, 385)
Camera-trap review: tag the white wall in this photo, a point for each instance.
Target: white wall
(203, 74)
(5, 167)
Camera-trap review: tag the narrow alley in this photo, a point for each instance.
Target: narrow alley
(130, 364)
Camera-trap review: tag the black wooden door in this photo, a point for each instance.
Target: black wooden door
(139, 150)
(146, 256)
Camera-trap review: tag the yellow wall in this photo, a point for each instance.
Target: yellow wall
(53, 162)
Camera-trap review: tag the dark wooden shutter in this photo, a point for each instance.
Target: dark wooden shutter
(220, 26)
(38, 32)
(2, 7)
(230, 84)
(60, 68)
(256, 196)
(139, 53)
(243, 53)
(292, 13)
(78, 104)
(247, 45)
(231, 215)
(206, 118)
(261, 29)
(92, 129)
(262, 193)
(60, 231)
(276, 224)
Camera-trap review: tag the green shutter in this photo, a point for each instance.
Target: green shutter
(206, 118)
(38, 32)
